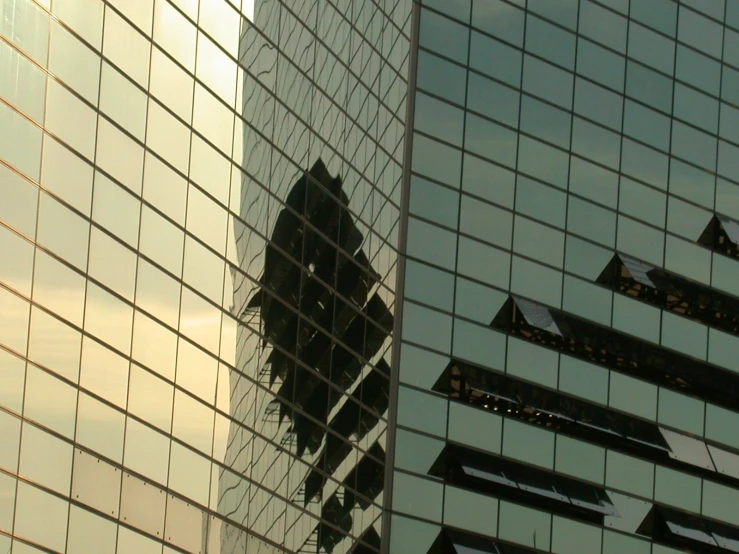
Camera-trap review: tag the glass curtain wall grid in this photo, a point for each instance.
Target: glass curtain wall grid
(199, 217)
(567, 369)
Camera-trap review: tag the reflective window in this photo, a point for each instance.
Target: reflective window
(120, 156)
(475, 427)
(636, 318)
(595, 143)
(538, 242)
(20, 143)
(583, 379)
(545, 121)
(721, 425)
(11, 428)
(490, 140)
(458, 10)
(499, 18)
(7, 502)
(488, 181)
(691, 182)
(12, 381)
(482, 262)
(85, 17)
(731, 47)
(427, 327)
(629, 474)
(41, 517)
(428, 285)
(414, 452)
(564, 12)
(658, 14)
(436, 160)
(431, 243)
(88, 532)
(633, 396)
(171, 84)
(18, 274)
(444, 36)
(548, 82)
(421, 411)
(440, 77)
(486, 222)
(649, 87)
(104, 372)
(27, 86)
(616, 543)
(587, 300)
(54, 344)
(116, 210)
(63, 232)
(594, 182)
(411, 536)
(681, 411)
(602, 25)
(574, 537)
(677, 489)
(468, 510)
(698, 70)
(27, 26)
(537, 282)
(66, 175)
(434, 202)
(580, 459)
(694, 146)
(550, 42)
(601, 65)
(420, 367)
(123, 101)
(651, 48)
(418, 497)
(532, 362)
(74, 63)
(647, 125)
(598, 103)
(543, 161)
(644, 163)
(100, 427)
(719, 502)
(591, 221)
(524, 525)
(585, 258)
(700, 32)
(642, 202)
(476, 301)
(126, 48)
(688, 259)
(528, 443)
(496, 59)
(701, 110)
(722, 348)
(480, 345)
(493, 99)
(439, 119)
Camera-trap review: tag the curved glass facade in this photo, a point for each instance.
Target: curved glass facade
(199, 212)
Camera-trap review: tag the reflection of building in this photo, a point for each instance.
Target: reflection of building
(322, 321)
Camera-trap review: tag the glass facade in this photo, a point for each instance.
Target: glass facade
(215, 215)
(568, 376)
(199, 214)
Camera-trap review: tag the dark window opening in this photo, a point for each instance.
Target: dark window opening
(615, 350)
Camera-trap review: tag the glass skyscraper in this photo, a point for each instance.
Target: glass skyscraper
(369, 276)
